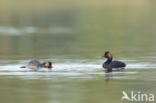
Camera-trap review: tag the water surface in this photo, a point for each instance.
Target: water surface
(74, 36)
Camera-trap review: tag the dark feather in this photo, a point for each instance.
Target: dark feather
(114, 64)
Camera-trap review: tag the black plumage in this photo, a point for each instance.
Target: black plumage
(34, 64)
(109, 64)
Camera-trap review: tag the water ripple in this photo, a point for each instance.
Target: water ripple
(78, 69)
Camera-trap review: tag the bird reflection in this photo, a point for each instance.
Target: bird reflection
(108, 76)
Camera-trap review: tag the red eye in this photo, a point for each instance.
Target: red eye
(107, 55)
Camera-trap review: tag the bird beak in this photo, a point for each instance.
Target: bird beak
(102, 56)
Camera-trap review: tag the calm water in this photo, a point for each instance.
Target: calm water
(74, 35)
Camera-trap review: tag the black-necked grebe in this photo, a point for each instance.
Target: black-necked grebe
(109, 64)
(36, 65)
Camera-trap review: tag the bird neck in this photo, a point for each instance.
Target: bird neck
(109, 60)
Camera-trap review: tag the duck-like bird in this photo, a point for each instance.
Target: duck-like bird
(109, 64)
(35, 65)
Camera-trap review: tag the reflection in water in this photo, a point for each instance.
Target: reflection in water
(11, 31)
(108, 77)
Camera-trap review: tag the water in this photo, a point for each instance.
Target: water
(74, 35)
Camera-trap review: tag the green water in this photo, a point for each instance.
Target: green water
(74, 35)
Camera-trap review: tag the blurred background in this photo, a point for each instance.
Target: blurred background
(76, 33)
(53, 28)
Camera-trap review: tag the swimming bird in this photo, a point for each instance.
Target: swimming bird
(35, 65)
(109, 64)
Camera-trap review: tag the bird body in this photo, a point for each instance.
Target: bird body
(114, 64)
(35, 65)
(110, 64)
